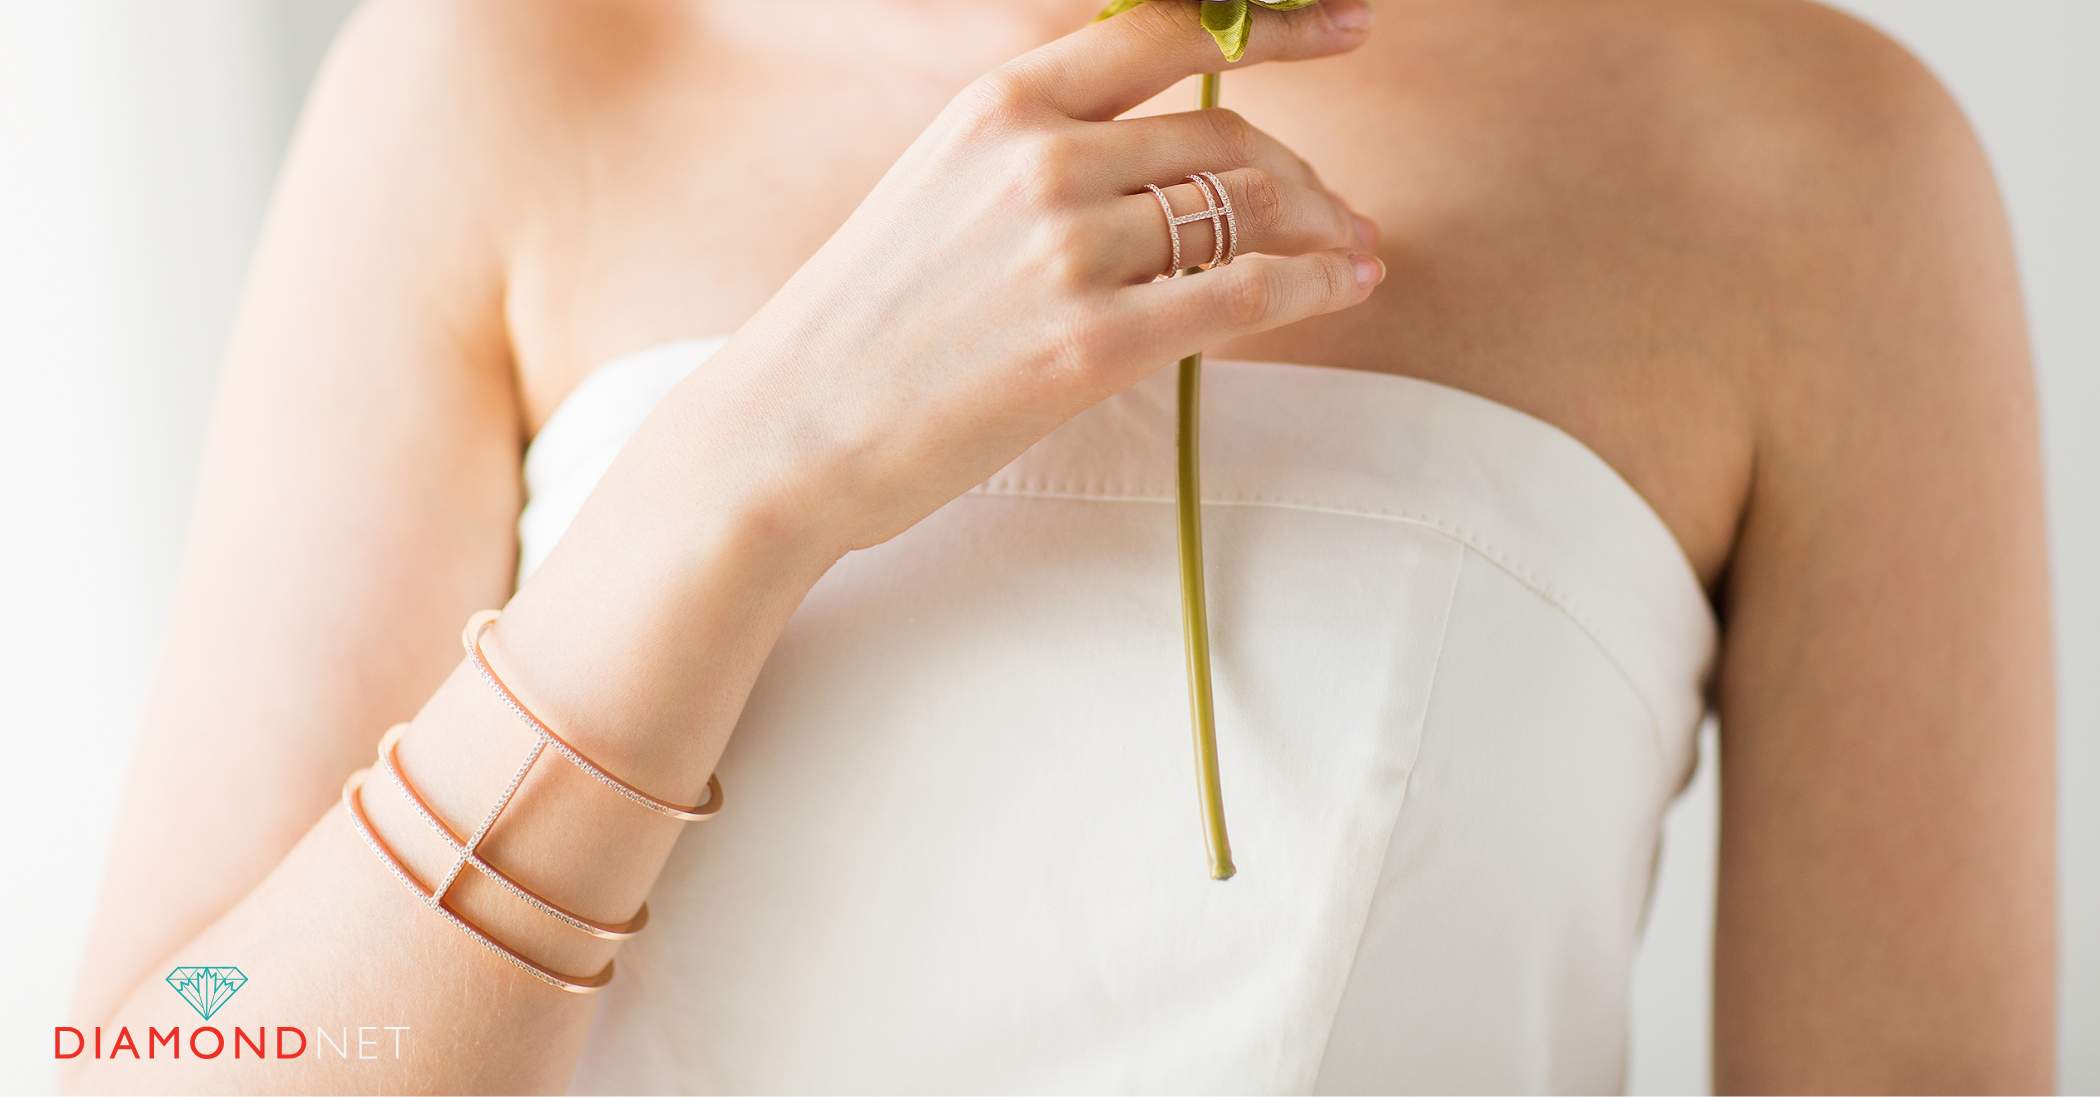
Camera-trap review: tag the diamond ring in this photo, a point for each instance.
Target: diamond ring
(1217, 209)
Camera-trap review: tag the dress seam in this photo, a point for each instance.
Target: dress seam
(1385, 848)
(1466, 538)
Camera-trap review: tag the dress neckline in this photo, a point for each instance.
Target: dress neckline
(691, 348)
(1526, 496)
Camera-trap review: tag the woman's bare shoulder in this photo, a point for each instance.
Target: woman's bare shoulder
(458, 136)
(1848, 181)
(1799, 104)
(1751, 106)
(1815, 148)
(517, 82)
(1630, 213)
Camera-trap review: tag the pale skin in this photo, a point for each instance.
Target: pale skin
(1748, 252)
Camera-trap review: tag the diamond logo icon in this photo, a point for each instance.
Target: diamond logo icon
(207, 989)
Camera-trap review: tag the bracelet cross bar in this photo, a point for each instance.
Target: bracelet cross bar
(469, 854)
(353, 806)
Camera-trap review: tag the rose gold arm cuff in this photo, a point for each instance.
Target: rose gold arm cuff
(353, 806)
(471, 641)
(390, 761)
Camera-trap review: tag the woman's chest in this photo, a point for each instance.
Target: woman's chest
(1523, 289)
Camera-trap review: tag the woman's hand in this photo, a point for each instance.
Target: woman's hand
(1000, 277)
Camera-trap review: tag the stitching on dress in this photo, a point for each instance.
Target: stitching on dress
(1507, 562)
(1385, 849)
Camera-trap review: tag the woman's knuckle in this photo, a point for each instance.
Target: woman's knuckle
(1082, 345)
(1048, 166)
(1161, 26)
(1261, 200)
(1234, 135)
(1344, 227)
(1249, 298)
(1337, 278)
(997, 98)
(1057, 150)
(1036, 188)
(1060, 250)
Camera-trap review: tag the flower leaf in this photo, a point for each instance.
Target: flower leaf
(1116, 7)
(1286, 5)
(1226, 20)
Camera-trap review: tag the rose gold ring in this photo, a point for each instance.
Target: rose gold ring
(1217, 209)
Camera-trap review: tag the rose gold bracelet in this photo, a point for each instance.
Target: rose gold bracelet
(466, 849)
(353, 806)
(471, 641)
(390, 761)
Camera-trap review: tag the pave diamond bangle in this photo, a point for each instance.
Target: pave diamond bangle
(469, 855)
(353, 806)
(471, 641)
(466, 849)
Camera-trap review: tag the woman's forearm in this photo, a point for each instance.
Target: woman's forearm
(638, 641)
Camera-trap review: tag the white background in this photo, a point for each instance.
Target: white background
(137, 145)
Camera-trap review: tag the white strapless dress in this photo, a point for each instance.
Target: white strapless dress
(1460, 669)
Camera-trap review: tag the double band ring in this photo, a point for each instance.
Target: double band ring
(1217, 209)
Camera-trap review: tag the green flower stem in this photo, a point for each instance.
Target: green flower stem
(1227, 22)
(1195, 621)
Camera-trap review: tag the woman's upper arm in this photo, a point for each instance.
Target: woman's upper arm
(1887, 905)
(358, 496)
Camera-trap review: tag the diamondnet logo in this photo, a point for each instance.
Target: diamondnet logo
(207, 989)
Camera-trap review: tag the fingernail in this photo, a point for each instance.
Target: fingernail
(1350, 14)
(1370, 270)
(1366, 232)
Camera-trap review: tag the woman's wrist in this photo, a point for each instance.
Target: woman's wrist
(647, 647)
(760, 461)
(643, 630)
(726, 474)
